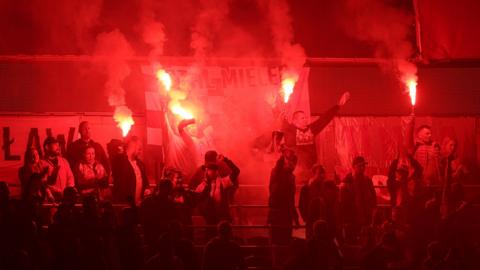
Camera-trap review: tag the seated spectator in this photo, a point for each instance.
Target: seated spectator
(59, 174)
(357, 199)
(221, 253)
(281, 201)
(31, 164)
(129, 176)
(311, 204)
(90, 174)
(75, 153)
(323, 250)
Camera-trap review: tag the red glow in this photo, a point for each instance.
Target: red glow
(165, 79)
(176, 96)
(412, 91)
(288, 85)
(123, 117)
(289, 79)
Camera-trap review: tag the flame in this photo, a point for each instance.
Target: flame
(165, 79)
(176, 96)
(289, 79)
(123, 117)
(412, 90)
(177, 109)
(287, 86)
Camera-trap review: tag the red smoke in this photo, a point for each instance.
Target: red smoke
(113, 51)
(388, 28)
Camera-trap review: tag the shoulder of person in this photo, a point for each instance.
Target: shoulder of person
(79, 165)
(120, 158)
(45, 162)
(99, 165)
(139, 162)
(75, 145)
(63, 160)
(96, 144)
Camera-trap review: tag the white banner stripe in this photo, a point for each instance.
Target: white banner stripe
(152, 101)
(154, 136)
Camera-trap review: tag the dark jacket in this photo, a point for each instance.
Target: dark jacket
(394, 186)
(306, 149)
(124, 179)
(221, 254)
(357, 199)
(227, 167)
(212, 210)
(310, 202)
(281, 200)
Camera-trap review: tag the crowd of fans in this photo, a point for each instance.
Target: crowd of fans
(427, 226)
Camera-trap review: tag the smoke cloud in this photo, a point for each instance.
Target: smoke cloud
(210, 18)
(153, 31)
(278, 15)
(387, 28)
(113, 50)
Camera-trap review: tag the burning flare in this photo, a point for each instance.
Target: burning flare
(123, 117)
(288, 85)
(175, 96)
(165, 79)
(177, 109)
(289, 79)
(412, 90)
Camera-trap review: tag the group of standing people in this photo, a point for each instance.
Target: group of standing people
(424, 183)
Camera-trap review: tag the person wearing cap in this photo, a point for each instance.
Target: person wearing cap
(59, 173)
(214, 191)
(357, 199)
(225, 166)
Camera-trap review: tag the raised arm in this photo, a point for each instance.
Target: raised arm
(235, 171)
(318, 125)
